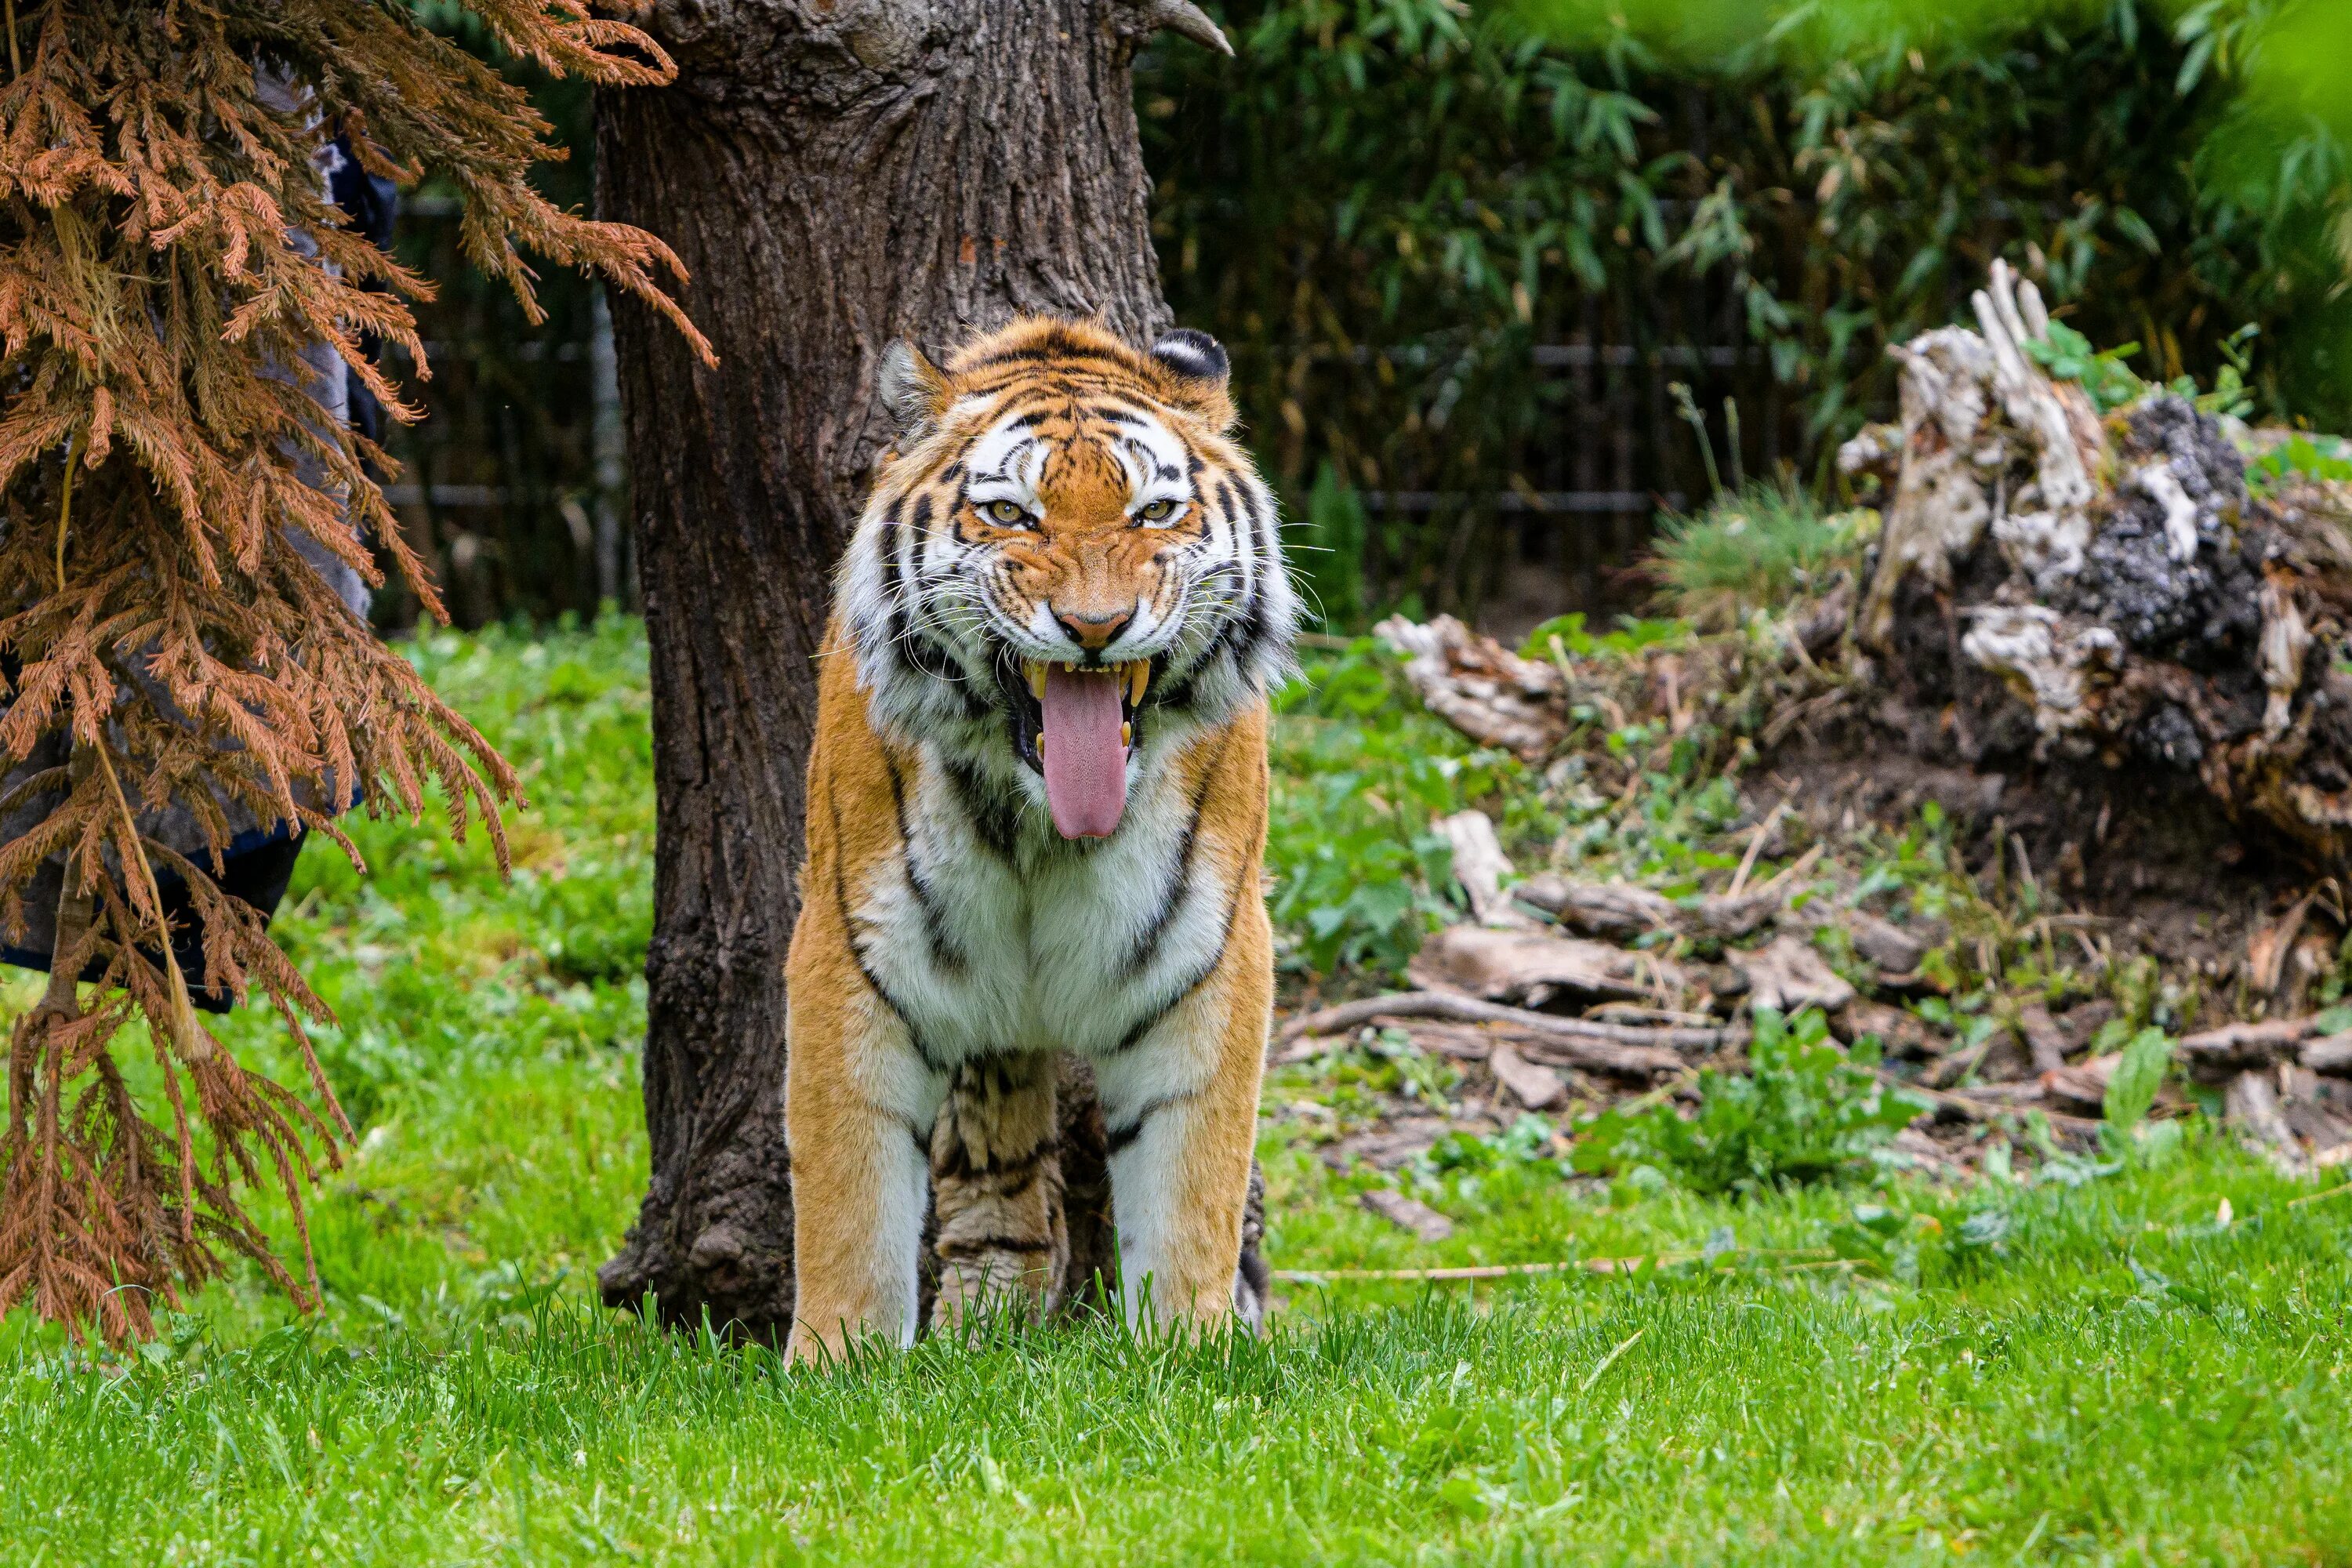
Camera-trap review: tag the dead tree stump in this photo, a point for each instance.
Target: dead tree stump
(2060, 591)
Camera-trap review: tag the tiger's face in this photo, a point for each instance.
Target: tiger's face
(1063, 558)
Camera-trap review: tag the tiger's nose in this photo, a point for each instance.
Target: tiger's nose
(1094, 632)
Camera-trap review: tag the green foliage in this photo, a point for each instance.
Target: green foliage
(1806, 1110)
(2068, 355)
(2304, 457)
(1757, 550)
(1327, 553)
(1662, 837)
(2112, 384)
(1383, 205)
(1359, 1078)
(1359, 774)
(1633, 634)
(2132, 1090)
(1526, 1142)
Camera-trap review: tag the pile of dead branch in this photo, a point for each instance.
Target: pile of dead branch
(1564, 996)
(2082, 634)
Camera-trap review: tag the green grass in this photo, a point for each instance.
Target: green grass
(2093, 1365)
(1756, 549)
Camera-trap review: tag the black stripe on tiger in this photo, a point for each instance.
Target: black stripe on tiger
(944, 951)
(1127, 1132)
(849, 924)
(1179, 888)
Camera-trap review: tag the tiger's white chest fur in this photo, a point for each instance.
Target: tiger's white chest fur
(990, 934)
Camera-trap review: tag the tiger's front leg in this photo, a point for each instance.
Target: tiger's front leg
(1180, 1105)
(859, 1106)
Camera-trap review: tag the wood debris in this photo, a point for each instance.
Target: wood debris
(1534, 968)
(2251, 1103)
(1388, 1146)
(1606, 1047)
(1408, 1214)
(1888, 946)
(1535, 1086)
(2043, 1039)
(1480, 686)
(2083, 1087)
(1786, 974)
(1622, 913)
(2214, 1054)
(1482, 868)
(2328, 1053)
(1902, 1033)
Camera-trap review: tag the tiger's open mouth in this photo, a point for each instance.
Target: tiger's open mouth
(1076, 725)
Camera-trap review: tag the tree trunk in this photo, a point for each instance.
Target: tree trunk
(835, 174)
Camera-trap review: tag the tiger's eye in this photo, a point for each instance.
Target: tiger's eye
(1158, 511)
(1005, 514)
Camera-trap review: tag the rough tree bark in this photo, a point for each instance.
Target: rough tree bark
(835, 174)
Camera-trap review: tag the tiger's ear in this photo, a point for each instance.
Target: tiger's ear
(1198, 363)
(913, 389)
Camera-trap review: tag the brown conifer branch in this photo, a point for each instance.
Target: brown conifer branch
(166, 249)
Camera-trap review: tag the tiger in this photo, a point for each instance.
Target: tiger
(1036, 819)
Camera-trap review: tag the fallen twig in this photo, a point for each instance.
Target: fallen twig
(1606, 1047)
(1470, 1009)
(1794, 868)
(1816, 1256)
(1755, 847)
(2320, 1198)
(1484, 1270)
(2236, 1047)
(1972, 1109)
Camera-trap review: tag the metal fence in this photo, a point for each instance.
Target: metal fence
(513, 488)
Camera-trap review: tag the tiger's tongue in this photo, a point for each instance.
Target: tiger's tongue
(1086, 763)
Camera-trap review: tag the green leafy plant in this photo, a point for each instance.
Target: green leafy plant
(2132, 1090)
(1359, 774)
(1631, 635)
(2068, 355)
(2327, 458)
(1889, 1241)
(1527, 1142)
(2112, 384)
(1807, 1111)
(1388, 208)
(2232, 394)
(1328, 551)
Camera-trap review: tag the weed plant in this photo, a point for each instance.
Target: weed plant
(1805, 1109)
(1759, 548)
